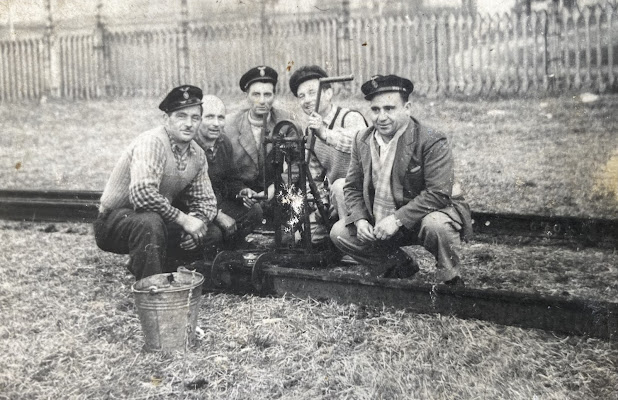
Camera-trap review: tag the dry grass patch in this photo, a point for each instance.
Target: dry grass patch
(70, 330)
(550, 156)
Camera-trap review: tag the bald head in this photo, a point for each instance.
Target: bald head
(213, 118)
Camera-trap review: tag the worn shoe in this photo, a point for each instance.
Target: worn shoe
(455, 282)
(404, 266)
(348, 260)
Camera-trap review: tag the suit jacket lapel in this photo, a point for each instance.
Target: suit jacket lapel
(246, 139)
(405, 150)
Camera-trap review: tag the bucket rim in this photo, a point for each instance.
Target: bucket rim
(171, 289)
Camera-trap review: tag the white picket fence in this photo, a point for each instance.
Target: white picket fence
(443, 54)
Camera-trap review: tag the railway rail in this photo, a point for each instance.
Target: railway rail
(572, 316)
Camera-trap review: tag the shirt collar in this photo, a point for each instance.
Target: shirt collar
(176, 148)
(380, 140)
(328, 119)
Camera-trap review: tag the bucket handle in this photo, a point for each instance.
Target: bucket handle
(153, 289)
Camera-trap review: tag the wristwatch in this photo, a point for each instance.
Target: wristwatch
(398, 222)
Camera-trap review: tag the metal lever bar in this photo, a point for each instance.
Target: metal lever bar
(314, 189)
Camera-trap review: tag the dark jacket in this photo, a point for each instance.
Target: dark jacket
(422, 179)
(222, 170)
(247, 157)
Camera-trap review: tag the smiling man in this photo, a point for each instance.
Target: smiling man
(245, 131)
(233, 219)
(398, 190)
(161, 166)
(334, 128)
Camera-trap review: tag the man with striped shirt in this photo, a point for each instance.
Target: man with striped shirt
(334, 128)
(160, 167)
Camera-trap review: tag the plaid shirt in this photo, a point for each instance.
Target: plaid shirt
(147, 173)
(180, 156)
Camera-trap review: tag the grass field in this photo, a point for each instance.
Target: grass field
(70, 331)
(70, 328)
(551, 156)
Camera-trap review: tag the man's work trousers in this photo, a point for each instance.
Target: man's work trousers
(336, 210)
(438, 233)
(146, 238)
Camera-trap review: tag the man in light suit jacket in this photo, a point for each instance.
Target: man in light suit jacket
(398, 190)
(244, 129)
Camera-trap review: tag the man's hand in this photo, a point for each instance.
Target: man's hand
(364, 231)
(247, 195)
(386, 228)
(187, 242)
(194, 227)
(315, 122)
(226, 223)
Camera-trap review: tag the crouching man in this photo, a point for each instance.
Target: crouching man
(160, 166)
(233, 219)
(334, 128)
(398, 190)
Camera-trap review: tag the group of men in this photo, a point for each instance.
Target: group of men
(196, 183)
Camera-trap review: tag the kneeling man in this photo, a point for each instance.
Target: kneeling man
(398, 190)
(161, 166)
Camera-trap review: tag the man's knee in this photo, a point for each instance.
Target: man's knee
(339, 229)
(438, 225)
(149, 226)
(336, 188)
(337, 199)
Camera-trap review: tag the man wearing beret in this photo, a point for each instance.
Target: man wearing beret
(233, 219)
(161, 166)
(334, 128)
(244, 129)
(398, 190)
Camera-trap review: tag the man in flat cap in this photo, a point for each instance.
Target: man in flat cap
(334, 128)
(245, 131)
(233, 219)
(161, 166)
(398, 190)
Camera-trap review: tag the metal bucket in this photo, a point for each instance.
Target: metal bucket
(167, 305)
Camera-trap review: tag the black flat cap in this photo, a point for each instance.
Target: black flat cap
(181, 97)
(386, 83)
(303, 74)
(258, 74)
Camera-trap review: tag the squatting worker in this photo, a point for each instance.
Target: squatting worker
(245, 131)
(233, 219)
(160, 166)
(335, 128)
(398, 190)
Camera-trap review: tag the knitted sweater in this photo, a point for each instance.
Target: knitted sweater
(147, 178)
(334, 154)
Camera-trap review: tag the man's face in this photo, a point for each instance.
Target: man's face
(213, 119)
(307, 94)
(182, 124)
(261, 96)
(389, 112)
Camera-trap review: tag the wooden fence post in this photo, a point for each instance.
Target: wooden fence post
(611, 79)
(101, 55)
(343, 39)
(52, 59)
(183, 44)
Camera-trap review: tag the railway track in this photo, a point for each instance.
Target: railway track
(572, 316)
